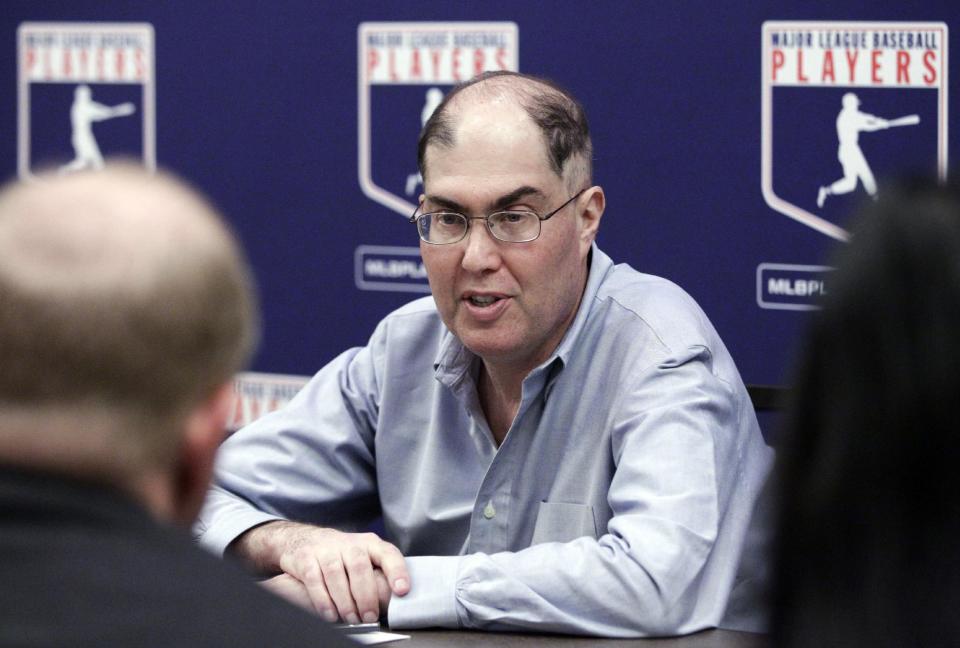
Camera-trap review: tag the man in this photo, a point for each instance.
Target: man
(125, 308)
(554, 442)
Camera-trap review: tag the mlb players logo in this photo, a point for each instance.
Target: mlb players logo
(257, 394)
(404, 71)
(845, 106)
(86, 91)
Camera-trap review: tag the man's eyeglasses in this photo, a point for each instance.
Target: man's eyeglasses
(511, 226)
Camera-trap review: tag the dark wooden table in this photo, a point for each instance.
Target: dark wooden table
(706, 639)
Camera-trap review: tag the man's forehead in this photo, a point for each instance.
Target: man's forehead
(488, 132)
(490, 116)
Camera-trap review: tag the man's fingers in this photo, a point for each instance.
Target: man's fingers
(384, 592)
(303, 566)
(338, 572)
(338, 586)
(363, 586)
(390, 561)
(287, 587)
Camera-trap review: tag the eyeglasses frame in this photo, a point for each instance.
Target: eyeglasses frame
(414, 218)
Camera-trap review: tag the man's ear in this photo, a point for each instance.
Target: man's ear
(203, 431)
(594, 201)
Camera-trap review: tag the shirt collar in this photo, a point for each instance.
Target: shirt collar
(453, 361)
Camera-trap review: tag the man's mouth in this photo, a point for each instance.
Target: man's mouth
(484, 307)
(483, 300)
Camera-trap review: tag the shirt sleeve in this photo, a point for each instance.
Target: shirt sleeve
(311, 461)
(689, 464)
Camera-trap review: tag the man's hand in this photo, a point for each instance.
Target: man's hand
(289, 588)
(349, 576)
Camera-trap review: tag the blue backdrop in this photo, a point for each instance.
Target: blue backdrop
(257, 103)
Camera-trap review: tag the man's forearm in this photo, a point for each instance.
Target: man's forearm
(261, 547)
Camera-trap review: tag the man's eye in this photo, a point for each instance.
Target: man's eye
(513, 218)
(447, 219)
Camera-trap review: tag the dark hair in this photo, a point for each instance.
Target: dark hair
(559, 115)
(868, 550)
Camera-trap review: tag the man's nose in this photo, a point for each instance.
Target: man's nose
(482, 251)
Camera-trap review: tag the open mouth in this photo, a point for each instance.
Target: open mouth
(483, 301)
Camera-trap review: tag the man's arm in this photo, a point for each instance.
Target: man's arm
(689, 464)
(311, 462)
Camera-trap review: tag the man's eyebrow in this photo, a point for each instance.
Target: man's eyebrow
(444, 203)
(514, 196)
(500, 203)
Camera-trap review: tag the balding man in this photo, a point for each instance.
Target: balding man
(125, 308)
(554, 442)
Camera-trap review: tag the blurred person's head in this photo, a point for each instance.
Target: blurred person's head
(125, 308)
(869, 518)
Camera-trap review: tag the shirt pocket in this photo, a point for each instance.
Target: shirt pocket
(563, 522)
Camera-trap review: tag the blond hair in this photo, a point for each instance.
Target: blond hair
(124, 301)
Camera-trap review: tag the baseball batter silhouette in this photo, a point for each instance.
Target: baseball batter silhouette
(83, 113)
(850, 122)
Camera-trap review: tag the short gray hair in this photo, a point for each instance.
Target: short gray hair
(552, 108)
(123, 295)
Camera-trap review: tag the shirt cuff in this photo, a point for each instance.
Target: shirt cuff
(432, 599)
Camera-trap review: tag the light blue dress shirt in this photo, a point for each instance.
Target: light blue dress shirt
(618, 504)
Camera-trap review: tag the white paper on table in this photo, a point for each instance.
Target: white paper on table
(378, 637)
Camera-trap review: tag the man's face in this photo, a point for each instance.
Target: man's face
(510, 303)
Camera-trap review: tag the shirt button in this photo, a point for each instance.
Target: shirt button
(489, 511)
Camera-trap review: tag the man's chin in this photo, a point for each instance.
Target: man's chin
(489, 346)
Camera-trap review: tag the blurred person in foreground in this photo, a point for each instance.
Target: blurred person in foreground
(125, 308)
(869, 521)
(554, 442)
